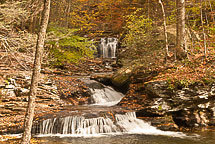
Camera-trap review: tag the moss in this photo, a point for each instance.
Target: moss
(120, 80)
(170, 85)
(65, 46)
(208, 81)
(174, 84)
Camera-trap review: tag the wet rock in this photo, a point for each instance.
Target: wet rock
(192, 118)
(104, 78)
(93, 84)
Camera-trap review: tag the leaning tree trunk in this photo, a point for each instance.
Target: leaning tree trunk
(36, 72)
(165, 31)
(180, 51)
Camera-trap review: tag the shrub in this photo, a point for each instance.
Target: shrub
(67, 47)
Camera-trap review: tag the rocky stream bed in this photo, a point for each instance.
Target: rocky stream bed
(184, 108)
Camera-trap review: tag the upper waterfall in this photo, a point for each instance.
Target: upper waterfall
(107, 47)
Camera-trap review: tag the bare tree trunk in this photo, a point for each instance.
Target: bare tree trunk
(36, 72)
(68, 13)
(148, 8)
(211, 11)
(203, 30)
(31, 25)
(165, 31)
(180, 51)
(206, 16)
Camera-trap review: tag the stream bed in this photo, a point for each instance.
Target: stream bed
(104, 123)
(203, 138)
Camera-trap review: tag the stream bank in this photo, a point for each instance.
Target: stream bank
(168, 104)
(182, 108)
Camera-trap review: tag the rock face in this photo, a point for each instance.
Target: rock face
(190, 107)
(14, 90)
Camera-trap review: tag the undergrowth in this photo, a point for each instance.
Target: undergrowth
(66, 47)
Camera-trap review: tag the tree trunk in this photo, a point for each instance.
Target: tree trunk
(68, 14)
(31, 25)
(35, 76)
(203, 31)
(211, 11)
(180, 51)
(165, 31)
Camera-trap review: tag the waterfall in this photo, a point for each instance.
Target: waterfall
(81, 126)
(106, 96)
(100, 121)
(103, 95)
(107, 47)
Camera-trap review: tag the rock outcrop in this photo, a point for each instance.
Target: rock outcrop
(192, 106)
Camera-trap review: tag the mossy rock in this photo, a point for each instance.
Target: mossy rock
(122, 76)
(120, 80)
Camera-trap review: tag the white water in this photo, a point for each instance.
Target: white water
(119, 124)
(106, 96)
(103, 95)
(133, 125)
(107, 48)
(76, 126)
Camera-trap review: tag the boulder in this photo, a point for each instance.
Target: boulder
(122, 76)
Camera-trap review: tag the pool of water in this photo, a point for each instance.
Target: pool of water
(202, 138)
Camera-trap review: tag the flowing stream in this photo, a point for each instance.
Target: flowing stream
(79, 126)
(103, 95)
(104, 128)
(95, 125)
(204, 138)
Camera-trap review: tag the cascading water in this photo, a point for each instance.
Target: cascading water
(107, 47)
(81, 126)
(106, 96)
(103, 95)
(100, 121)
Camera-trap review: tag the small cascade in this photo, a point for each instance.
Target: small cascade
(97, 120)
(81, 126)
(103, 95)
(106, 96)
(107, 47)
(75, 125)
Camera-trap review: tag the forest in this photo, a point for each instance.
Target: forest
(159, 54)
